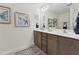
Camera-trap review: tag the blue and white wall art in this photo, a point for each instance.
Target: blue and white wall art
(21, 19)
(4, 14)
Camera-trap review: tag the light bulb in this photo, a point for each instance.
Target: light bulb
(44, 8)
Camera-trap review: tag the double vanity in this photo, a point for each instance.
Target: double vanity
(56, 42)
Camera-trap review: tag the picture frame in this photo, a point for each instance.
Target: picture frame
(5, 16)
(52, 23)
(21, 19)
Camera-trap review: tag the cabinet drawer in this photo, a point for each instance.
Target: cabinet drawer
(39, 44)
(44, 42)
(44, 48)
(50, 36)
(44, 34)
(44, 38)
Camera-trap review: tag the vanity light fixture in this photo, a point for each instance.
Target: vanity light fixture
(44, 8)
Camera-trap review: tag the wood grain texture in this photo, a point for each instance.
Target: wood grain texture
(56, 45)
(66, 46)
(52, 44)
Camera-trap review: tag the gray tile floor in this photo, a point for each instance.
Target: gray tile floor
(34, 50)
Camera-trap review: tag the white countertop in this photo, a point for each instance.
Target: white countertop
(69, 33)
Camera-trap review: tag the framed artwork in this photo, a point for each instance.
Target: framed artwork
(5, 14)
(21, 19)
(52, 23)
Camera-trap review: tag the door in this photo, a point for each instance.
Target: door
(52, 44)
(66, 46)
(39, 39)
(76, 41)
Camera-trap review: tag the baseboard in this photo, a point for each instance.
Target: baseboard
(12, 51)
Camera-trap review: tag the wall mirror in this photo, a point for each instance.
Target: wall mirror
(57, 14)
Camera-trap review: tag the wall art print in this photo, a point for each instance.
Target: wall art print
(21, 19)
(5, 14)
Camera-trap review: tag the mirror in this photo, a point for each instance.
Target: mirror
(56, 14)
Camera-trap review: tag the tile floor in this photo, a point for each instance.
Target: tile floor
(34, 50)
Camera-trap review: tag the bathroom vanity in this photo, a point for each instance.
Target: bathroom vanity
(56, 42)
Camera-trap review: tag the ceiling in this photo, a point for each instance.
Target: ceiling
(56, 7)
(52, 7)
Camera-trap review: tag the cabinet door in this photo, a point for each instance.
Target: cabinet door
(37, 38)
(52, 44)
(76, 46)
(66, 46)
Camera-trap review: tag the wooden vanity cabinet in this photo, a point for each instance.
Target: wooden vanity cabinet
(52, 44)
(37, 38)
(55, 44)
(40, 40)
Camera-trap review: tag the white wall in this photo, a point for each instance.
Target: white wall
(12, 37)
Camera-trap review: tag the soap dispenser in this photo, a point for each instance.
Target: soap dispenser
(37, 26)
(64, 26)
